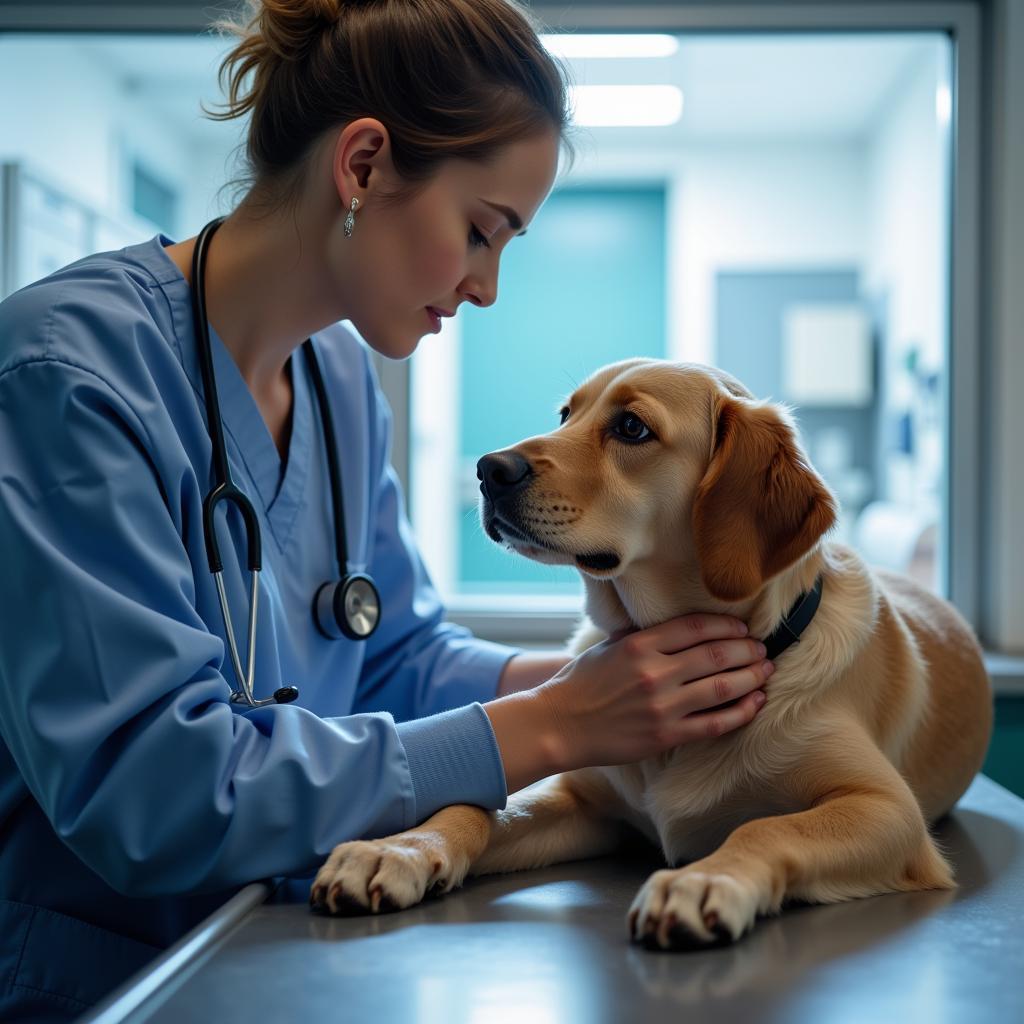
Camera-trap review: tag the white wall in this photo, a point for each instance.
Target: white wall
(75, 146)
(908, 195)
(758, 208)
(72, 120)
(907, 264)
(744, 206)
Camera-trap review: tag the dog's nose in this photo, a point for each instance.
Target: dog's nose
(502, 474)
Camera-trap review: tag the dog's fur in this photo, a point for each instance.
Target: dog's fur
(875, 723)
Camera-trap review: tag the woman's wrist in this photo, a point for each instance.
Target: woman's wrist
(528, 738)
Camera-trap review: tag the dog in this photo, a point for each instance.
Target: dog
(674, 491)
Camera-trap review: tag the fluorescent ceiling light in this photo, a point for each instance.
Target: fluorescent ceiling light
(626, 105)
(564, 44)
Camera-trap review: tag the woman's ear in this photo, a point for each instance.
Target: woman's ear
(362, 147)
(760, 506)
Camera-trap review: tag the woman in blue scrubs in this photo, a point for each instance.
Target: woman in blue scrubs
(392, 161)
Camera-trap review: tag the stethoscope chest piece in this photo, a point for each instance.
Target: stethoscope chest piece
(349, 607)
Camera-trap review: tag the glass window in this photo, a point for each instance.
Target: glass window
(785, 218)
(775, 204)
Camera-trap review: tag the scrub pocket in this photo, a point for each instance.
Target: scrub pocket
(53, 966)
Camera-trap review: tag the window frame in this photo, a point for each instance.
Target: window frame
(962, 21)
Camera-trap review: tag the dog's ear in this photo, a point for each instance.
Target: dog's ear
(760, 506)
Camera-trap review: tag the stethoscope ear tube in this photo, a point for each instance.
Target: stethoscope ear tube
(349, 607)
(225, 490)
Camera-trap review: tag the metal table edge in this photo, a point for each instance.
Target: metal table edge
(149, 986)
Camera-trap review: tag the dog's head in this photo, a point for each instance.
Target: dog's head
(660, 461)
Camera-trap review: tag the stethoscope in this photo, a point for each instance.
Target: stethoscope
(349, 607)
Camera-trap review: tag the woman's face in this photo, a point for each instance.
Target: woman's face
(441, 248)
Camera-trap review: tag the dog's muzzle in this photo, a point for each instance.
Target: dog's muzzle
(504, 479)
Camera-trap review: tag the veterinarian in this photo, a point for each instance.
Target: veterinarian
(154, 753)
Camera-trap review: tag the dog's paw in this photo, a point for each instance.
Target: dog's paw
(380, 875)
(692, 909)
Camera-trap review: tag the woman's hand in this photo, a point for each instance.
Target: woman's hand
(632, 697)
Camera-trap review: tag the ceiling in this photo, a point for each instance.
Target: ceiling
(736, 87)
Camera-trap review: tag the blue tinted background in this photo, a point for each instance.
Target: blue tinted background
(584, 287)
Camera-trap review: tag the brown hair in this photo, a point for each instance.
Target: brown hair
(447, 78)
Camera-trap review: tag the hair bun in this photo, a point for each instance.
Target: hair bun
(447, 78)
(290, 27)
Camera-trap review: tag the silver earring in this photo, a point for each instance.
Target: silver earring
(350, 217)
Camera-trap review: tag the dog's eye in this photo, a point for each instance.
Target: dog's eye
(629, 427)
(563, 414)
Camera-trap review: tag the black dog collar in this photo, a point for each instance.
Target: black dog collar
(795, 621)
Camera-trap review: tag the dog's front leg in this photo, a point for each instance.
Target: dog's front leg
(550, 822)
(565, 817)
(863, 836)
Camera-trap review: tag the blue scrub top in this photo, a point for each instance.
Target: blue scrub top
(134, 798)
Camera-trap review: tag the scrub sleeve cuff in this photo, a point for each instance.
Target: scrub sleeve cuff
(453, 759)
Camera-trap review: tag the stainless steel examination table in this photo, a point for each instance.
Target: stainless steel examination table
(550, 947)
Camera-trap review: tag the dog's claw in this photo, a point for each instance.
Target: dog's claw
(341, 904)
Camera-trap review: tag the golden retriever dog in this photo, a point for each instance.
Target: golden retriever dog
(674, 491)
